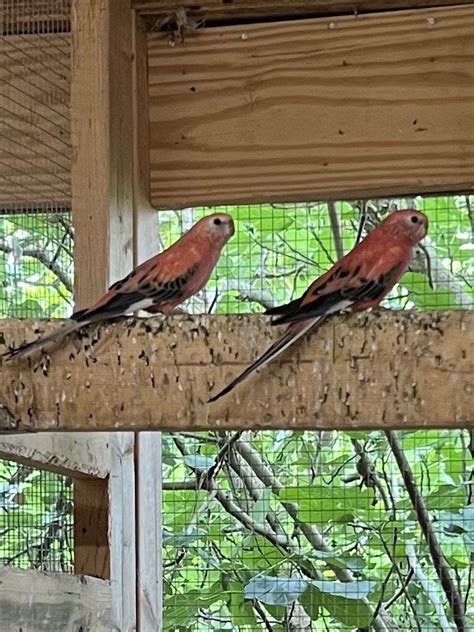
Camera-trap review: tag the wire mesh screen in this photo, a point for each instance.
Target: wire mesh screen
(35, 246)
(278, 250)
(291, 531)
(313, 530)
(35, 519)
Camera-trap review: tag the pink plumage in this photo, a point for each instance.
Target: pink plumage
(360, 280)
(157, 285)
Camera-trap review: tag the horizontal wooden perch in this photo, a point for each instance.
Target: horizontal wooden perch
(376, 370)
(33, 601)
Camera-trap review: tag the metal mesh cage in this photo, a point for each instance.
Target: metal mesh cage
(313, 530)
(316, 530)
(274, 531)
(278, 250)
(35, 246)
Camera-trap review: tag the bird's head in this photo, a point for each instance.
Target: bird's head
(409, 224)
(218, 227)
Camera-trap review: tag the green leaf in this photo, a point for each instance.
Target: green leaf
(318, 506)
(242, 611)
(199, 462)
(348, 590)
(344, 607)
(278, 591)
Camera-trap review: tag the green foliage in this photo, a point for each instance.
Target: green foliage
(269, 536)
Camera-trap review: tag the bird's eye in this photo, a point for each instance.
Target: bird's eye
(414, 219)
(217, 221)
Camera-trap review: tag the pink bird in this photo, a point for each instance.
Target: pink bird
(157, 285)
(360, 280)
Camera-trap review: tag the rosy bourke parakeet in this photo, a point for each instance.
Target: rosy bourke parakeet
(360, 280)
(159, 284)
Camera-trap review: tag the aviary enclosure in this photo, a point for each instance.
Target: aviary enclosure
(333, 490)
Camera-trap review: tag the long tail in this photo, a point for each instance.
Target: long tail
(291, 335)
(58, 334)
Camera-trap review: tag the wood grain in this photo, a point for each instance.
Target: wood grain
(102, 207)
(75, 455)
(217, 10)
(378, 370)
(150, 534)
(101, 127)
(377, 104)
(122, 533)
(31, 601)
(35, 144)
(91, 542)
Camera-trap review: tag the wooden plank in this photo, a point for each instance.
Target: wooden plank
(101, 127)
(148, 462)
(122, 532)
(32, 601)
(91, 542)
(35, 147)
(145, 228)
(75, 455)
(377, 370)
(378, 104)
(150, 541)
(102, 198)
(217, 10)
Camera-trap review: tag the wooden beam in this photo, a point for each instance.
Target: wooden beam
(150, 534)
(91, 541)
(102, 204)
(235, 10)
(101, 129)
(379, 370)
(35, 144)
(122, 533)
(147, 449)
(378, 104)
(75, 455)
(32, 601)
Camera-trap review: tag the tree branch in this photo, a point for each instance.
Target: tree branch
(383, 621)
(40, 255)
(439, 561)
(336, 230)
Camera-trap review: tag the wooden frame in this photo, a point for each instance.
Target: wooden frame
(337, 382)
(53, 602)
(314, 109)
(391, 370)
(218, 11)
(109, 174)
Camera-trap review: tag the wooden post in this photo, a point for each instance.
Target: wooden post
(148, 444)
(102, 204)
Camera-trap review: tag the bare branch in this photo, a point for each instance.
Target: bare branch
(439, 561)
(336, 230)
(40, 255)
(383, 621)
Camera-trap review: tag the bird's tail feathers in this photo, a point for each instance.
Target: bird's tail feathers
(55, 336)
(291, 335)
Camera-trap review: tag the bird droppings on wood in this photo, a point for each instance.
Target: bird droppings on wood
(359, 371)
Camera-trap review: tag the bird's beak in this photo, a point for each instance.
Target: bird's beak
(231, 227)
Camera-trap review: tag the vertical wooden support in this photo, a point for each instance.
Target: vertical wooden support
(102, 138)
(148, 444)
(102, 203)
(122, 532)
(150, 567)
(91, 545)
